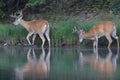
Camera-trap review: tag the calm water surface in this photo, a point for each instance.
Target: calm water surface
(61, 63)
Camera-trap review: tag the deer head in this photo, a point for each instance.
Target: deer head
(18, 16)
(80, 32)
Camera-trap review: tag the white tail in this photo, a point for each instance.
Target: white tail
(34, 27)
(105, 28)
(35, 69)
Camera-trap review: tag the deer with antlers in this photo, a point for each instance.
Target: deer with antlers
(105, 28)
(34, 27)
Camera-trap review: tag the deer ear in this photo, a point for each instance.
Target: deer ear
(82, 30)
(75, 27)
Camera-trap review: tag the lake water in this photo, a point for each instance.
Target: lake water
(59, 63)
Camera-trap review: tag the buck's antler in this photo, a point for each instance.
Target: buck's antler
(20, 13)
(74, 29)
(15, 15)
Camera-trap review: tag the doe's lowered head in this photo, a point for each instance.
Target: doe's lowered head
(80, 33)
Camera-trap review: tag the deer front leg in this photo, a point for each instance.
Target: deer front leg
(34, 36)
(29, 34)
(95, 43)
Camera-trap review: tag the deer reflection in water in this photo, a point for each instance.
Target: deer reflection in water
(35, 69)
(105, 66)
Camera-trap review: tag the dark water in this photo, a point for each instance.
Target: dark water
(62, 63)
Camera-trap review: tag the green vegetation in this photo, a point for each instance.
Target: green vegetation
(62, 15)
(61, 29)
(11, 34)
(57, 6)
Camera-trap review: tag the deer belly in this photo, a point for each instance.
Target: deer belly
(100, 35)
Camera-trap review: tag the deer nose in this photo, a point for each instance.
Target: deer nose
(15, 23)
(81, 40)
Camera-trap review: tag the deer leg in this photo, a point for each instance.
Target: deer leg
(109, 39)
(29, 34)
(47, 36)
(34, 36)
(115, 37)
(43, 39)
(95, 44)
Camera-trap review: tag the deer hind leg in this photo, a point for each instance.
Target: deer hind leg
(42, 38)
(29, 34)
(47, 36)
(109, 40)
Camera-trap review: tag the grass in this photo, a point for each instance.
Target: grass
(11, 34)
(61, 29)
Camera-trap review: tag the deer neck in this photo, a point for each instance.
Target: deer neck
(88, 35)
(24, 24)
